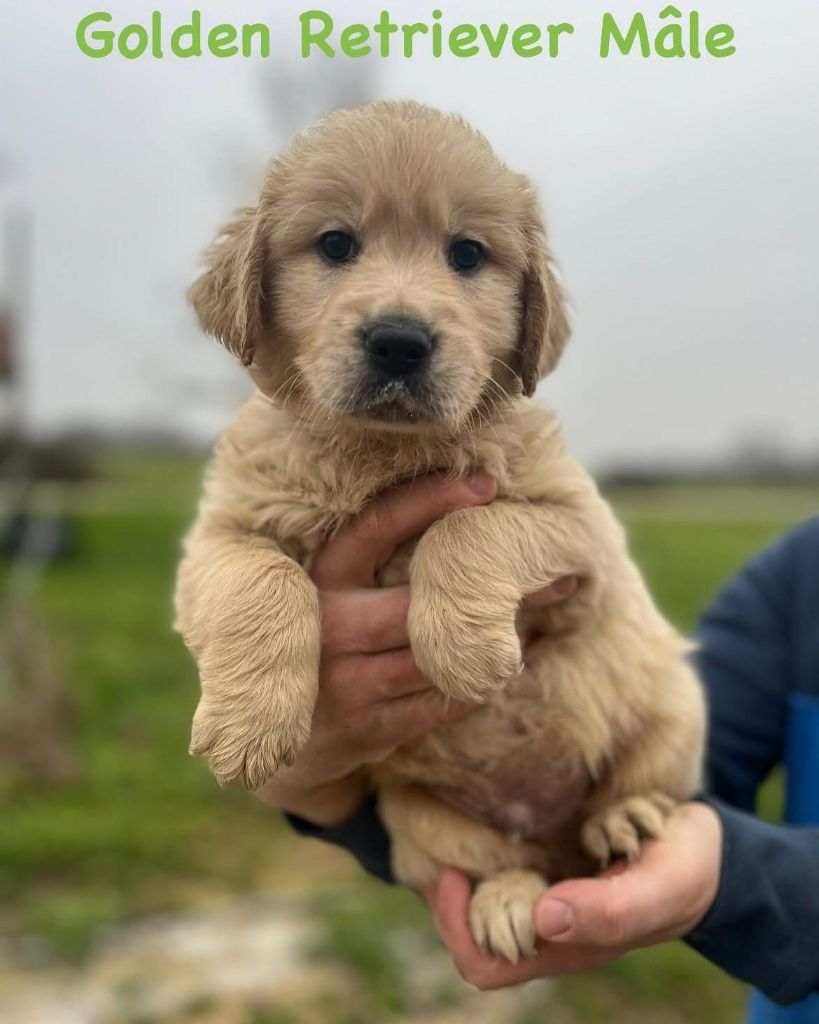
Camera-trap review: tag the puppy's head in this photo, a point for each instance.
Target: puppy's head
(394, 271)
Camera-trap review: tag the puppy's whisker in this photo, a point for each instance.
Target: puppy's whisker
(288, 386)
(515, 375)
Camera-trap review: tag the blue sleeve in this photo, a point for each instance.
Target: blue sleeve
(362, 835)
(744, 662)
(764, 924)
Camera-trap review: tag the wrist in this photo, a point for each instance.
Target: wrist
(709, 836)
(326, 805)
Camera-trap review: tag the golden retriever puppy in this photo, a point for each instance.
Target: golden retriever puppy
(394, 299)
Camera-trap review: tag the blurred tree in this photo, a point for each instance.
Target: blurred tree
(15, 231)
(290, 97)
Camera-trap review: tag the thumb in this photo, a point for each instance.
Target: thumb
(615, 910)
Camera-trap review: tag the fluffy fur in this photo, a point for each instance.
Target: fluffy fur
(581, 751)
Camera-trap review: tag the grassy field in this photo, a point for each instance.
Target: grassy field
(137, 827)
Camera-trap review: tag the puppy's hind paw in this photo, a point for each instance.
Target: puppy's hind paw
(501, 913)
(618, 830)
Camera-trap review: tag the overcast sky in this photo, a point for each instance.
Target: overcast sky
(682, 196)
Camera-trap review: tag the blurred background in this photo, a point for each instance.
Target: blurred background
(682, 202)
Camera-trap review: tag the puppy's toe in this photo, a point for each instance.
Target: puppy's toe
(618, 831)
(466, 657)
(648, 814)
(595, 841)
(502, 658)
(622, 836)
(203, 732)
(266, 754)
(225, 752)
(249, 747)
(501, 913)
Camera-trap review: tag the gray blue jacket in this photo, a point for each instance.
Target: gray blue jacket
(759, 660)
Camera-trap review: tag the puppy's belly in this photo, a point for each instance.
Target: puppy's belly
(510, 764)
(519, 799)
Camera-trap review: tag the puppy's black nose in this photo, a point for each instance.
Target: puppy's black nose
(398, 348)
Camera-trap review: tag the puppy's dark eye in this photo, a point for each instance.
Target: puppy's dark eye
(466, 255)
(337, 246)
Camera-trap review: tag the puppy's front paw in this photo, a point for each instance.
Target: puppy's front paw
(501, 913)
(466, 652)
(249, 738)
(618, 830)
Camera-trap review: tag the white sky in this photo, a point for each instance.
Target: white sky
(682, 199)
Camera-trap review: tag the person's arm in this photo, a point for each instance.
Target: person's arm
(743, 658)
(361, 834)
(764, 924)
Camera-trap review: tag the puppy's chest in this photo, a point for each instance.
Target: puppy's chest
(303, 544)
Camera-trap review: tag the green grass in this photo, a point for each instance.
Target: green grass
(139, 813)
(686, 562)
(141, 827)
(366, 929)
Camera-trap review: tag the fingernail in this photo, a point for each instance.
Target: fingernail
(481, 484)
(553, 918)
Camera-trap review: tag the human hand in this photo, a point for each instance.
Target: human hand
(372, 696)
(586, 922)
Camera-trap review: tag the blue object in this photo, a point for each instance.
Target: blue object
(802, 760)
(802, 808)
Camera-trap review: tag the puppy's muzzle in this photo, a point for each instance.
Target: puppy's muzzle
(397, 348)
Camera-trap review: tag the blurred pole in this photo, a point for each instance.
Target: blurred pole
(15, 242)
(33, 704)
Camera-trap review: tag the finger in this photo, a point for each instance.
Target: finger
(359, 549)
(407, 718)
(364, 621)
(622, 909)
(556, 592)
(449, 900)
(375, 678)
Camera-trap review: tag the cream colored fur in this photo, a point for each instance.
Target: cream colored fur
(583, 749)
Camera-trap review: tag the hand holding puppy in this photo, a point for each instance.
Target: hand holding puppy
(372, 696)
(585, 922)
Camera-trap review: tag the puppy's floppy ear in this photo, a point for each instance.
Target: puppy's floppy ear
(544, 323)
(229, 296)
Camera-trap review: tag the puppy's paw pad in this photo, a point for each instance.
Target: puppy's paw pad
(501, 914)
(618, 831)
